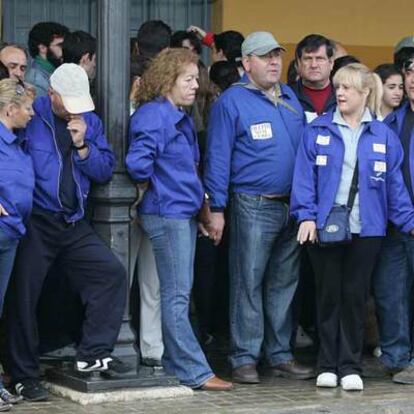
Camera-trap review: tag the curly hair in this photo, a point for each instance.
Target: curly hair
(162, 73)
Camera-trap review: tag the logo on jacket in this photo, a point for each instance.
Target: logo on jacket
(332, 228)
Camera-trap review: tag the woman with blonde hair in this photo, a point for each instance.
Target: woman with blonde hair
(16, 186)
(163, 160)
(347, 185)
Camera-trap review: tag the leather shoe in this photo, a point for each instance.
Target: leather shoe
(246, 374)
(293, 370)
(216, 384)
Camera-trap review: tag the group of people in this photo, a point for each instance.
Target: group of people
(226, 158)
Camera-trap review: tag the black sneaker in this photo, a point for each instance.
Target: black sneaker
(8, 397)
(31, 390)
(108, 364)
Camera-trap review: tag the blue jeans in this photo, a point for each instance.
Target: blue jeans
(8, 247)
(392, 285)
(264, 270)
(173, 242)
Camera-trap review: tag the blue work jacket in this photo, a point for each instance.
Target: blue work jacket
(16, 183)
(251, 143)
(383, 195)
(47, 160)
(163, 150)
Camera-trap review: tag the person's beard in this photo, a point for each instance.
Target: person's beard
(51, 57)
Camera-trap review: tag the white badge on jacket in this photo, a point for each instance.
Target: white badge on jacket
(323, 140)
(321, 160)
(380, 166)
(379, 148)
(261, 131)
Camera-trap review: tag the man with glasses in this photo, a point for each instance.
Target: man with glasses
(253, 134)
(314, 62)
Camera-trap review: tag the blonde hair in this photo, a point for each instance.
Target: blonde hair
(362, 79)
(13, 91)
(160, 76)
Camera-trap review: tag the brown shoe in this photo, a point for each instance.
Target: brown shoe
(246, 374)
(216, 384)
(293, 370)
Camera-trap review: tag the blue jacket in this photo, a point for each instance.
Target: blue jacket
(251, 144)
(16, 183)
(96, 167)
(164, 151)
(382, 192)
(395, 121)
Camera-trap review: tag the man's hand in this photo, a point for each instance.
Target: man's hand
(200, 33)
(3, 211)
(307, 231)
(77, 128)
(215, 227)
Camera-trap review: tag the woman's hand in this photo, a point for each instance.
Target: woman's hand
(307, 231)
(200, 33)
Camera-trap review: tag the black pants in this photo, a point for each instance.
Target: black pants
(342, 276)
(92, 270)
(210, 289)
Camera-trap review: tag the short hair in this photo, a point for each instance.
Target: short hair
(224, 73)
(292, 73)
(76, 45)
(4, 72)
(162, 73)
(402, 56)
(179, 36)
(361, 78)
(313, 42)
(230, 43)
(386, 70)
(152, 37)
(341, 62)
(43, 33)
(15, 46)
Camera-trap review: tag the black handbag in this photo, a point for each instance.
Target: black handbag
(336, 229)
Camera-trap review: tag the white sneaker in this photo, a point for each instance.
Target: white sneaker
(352, 382)
(327, 380)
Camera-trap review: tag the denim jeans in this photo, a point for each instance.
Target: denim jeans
(173, 242)
(392, 287)
(8, 247)
(264, 270)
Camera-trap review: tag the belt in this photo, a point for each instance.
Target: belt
(277, 197)
(57, 216)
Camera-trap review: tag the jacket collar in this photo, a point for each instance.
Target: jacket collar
(174, 113)
(327, 121)
(6, 135)
(282, 89)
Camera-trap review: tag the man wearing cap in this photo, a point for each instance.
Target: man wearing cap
(253, 134)
(69, 150)
(403, 50)
(394, 275)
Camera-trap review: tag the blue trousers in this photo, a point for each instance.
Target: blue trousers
(264, 271)
(173, 242)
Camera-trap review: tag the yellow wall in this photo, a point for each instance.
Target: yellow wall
(367, 28)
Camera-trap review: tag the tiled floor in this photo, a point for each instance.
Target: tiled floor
(273, 395)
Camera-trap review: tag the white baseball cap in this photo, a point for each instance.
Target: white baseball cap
(71, 82)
